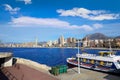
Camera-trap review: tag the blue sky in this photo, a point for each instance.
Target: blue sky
(24, 20)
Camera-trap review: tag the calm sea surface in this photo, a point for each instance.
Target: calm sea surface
(48, 56)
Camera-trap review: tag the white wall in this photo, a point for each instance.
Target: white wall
(8, 62)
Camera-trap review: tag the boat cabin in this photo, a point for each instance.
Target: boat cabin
(106, 53)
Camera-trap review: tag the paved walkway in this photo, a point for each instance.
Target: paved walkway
(86, 74)
(23, 72)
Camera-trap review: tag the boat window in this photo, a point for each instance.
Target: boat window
(97, 62)
(118, 61)
(105, 63)
(81, 59)
(109, 64)
(105, 54)
(88, 61)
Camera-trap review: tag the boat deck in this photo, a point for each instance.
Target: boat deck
(100, 58)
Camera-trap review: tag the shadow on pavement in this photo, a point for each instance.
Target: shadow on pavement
(2, 76)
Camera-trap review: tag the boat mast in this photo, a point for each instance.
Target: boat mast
(78, 59)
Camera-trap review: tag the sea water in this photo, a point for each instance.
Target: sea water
(48, 56)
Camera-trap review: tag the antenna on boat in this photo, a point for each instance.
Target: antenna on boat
(78, 59)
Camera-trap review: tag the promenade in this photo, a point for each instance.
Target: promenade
(86, 74)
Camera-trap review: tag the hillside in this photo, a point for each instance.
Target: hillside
(97, 36)
(117, 37)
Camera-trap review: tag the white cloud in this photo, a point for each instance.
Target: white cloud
(97, 26)
(26, 1)
(87, 27)
(30, 21)
(48, 22)
(89, 14)
(10, 9)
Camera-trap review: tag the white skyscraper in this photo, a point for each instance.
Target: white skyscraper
(61, 40)
(36, 42)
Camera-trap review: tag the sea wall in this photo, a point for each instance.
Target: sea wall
(33, 64)
(5, 59)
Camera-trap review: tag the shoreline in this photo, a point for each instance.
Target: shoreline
(104, 48)
(64, 48)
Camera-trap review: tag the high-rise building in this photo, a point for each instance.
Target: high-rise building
(86, 42)
(49, 43)
(36, 42)
(55, 42)
(71, 40)
(61, 40)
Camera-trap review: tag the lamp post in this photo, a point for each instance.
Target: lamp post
(78, 59)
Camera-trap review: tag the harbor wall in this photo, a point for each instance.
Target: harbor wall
(32, 64)
(8, 62)
(6, 59)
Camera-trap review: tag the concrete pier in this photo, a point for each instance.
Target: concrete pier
(86, 74)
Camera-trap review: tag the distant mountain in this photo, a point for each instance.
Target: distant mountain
(97, 36)
(117, 37)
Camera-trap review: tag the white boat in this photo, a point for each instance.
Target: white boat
(105, 61)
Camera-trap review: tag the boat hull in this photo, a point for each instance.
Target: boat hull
(71, 63)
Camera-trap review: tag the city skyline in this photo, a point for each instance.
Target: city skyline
(24, 20)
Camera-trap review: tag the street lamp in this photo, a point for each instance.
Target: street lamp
(78, 59)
